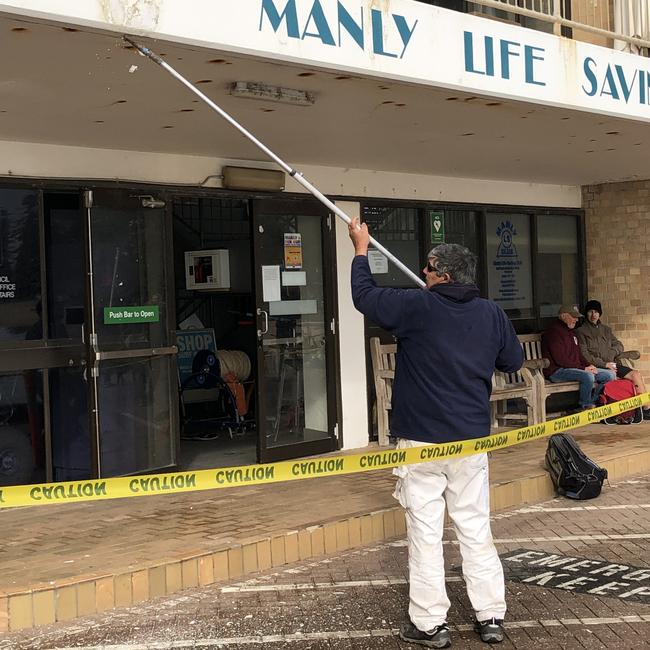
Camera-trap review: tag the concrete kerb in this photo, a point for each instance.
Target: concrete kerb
(45, 603)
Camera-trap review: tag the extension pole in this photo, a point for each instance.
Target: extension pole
(145, 51)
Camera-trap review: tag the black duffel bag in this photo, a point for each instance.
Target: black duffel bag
(574, 474)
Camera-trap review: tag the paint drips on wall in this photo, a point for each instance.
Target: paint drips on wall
(141, 14)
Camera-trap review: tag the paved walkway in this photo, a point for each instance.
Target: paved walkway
(62, 561)
(577, 578)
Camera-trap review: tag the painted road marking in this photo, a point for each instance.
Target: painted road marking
(349, 584)
(565, 538)
(624, 506)
(576, 574)
(353, 634)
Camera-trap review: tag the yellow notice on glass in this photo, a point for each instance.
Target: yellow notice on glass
(292, 250)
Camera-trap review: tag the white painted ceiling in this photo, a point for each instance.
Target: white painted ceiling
(74, 87)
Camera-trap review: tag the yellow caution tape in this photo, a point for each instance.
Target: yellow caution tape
(226, 477)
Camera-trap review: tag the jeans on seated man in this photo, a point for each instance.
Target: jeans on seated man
(566, 362)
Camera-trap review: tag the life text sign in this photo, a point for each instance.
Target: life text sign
(401, 39)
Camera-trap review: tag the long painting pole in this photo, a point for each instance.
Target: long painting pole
(296, 175)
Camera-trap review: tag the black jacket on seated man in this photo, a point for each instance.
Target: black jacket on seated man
(449, 343)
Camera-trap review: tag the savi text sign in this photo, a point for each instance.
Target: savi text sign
(401, 40)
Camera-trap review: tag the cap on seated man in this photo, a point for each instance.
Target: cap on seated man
(566, 362)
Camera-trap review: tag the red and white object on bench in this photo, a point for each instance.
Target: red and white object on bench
(617, 390)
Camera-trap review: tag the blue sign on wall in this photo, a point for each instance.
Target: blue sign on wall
(189, 342)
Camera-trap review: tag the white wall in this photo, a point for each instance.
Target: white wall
(351, 342)
(58, 161)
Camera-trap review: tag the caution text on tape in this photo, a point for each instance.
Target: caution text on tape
(228, 477)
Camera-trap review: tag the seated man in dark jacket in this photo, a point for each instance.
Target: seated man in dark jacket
(600, 347)
(449, 342)
(566, 363)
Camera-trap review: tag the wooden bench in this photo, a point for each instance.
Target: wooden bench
(524, 384)
(528, 384)
(383, 369)
(532, 344)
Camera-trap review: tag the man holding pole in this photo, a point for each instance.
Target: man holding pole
(449, 342)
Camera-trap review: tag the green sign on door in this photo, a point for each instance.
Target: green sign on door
(127, 315)
(437, 218)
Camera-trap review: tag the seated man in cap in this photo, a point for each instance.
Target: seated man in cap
(566, 363)
(600, 347)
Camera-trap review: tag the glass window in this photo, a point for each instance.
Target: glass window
(69, 422)
(64, 236)
(134, 413)
(20, 267)
(22, 444)
(295, 363)
(508, 255)
(397, 229)
(129, 272)
(557, 247)
(453, 227)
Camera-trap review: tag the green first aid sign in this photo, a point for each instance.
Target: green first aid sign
(437, 218)
(126, 315)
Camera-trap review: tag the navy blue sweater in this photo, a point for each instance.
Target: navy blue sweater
(449, 343)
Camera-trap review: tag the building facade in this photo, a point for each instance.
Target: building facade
(169, 299)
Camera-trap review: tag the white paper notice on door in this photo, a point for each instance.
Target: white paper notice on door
(378, 262)
(271, 283)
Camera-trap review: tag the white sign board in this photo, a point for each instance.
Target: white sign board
(510, 281)
(271, 283)
(401, 39)
(378, 262)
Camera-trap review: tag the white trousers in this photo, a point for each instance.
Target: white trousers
(422, 490)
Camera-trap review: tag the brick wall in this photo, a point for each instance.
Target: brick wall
(617, 217)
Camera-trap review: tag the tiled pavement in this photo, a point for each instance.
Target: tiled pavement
(356, 599)
(63, 561)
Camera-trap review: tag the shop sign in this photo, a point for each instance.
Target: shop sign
(437, 219)
(7, 287)
(292, 250)
(129, 315)
(189, 342)
(595, 577)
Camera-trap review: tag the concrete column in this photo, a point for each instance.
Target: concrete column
(351, 341)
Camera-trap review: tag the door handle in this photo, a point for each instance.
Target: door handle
(262, 332)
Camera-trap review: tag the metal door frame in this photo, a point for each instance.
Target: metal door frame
(306, 207)
(95, 356)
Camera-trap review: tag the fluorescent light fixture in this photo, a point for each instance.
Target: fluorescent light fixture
(255, 90)
(249, 178)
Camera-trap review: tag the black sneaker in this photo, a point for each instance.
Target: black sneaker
(491, 631)
(438, 637)
(646, 414)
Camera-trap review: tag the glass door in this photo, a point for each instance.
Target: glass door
(133, 400)
(295, 330)
(23, 438)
